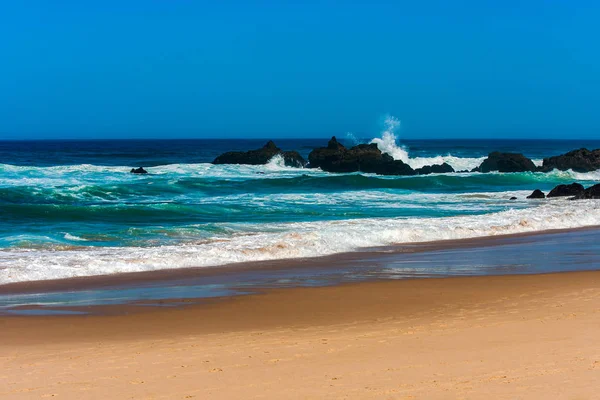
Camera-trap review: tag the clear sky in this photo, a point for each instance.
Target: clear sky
(175, 68)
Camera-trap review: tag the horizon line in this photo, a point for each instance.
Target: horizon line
(283, 138)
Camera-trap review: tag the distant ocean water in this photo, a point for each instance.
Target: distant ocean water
(71, 208)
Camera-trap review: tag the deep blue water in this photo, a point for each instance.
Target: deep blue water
(44, 153)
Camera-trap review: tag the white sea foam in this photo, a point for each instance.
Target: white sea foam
(373, 199)
(78, 175)
(387, 144)
(74, 177)
(253, 242)
(277, 163)
(74, 238)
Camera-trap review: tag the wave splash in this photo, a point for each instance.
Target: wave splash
(388, 144)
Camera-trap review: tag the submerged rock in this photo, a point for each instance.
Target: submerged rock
(139, 170)
(444, 168)
(592, 192)
(506, 162)
(537, 194)
(261, 156)
(582, 160)
(362, 158)
(566, 190)
(513, 198)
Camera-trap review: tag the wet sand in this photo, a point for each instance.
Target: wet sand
(500, 337)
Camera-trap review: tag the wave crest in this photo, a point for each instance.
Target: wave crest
(255, 242)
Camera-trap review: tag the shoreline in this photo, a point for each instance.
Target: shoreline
(294, 307)
(181, 274)
(504, 337)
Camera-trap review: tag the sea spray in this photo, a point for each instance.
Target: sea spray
(387, 143)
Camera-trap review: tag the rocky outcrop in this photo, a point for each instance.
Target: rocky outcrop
(592, 192)
(537, 194)
(139, 170)
(364, 158)
(261, 156)
(506, 162)
(582, 160)
(293, 159)
(435, 169)
(566, 190)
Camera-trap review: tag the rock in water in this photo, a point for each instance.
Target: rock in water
(364, 158)
(139, 170)
(293, 159)
(513, 198)
(435, 169)
(537, 194)
(506, 162)
(261, 156)
(333, 144)
(592, 192)
(582, 160)
(566, 190)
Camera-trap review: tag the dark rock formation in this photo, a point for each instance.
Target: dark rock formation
(293, 159)
(435, 169)
(506, 162)
(592, 192)
(261, 156)
(364, 157)
(582, 160)
(513, 198)
(139, 170)
(566, 190)
(537, 194)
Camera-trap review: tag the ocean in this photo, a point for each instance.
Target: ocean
(72, 208)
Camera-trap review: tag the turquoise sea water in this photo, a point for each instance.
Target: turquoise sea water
(71, 208)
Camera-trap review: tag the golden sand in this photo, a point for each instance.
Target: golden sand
(509, 337)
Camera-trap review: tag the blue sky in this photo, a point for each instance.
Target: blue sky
(150, 68)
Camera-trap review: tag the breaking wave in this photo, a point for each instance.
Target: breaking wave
(387, 143)
(254, 242)
(85, 219)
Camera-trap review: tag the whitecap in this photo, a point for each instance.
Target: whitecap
(74, 238)
(255, 242)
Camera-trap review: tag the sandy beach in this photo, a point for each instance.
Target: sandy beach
(299, 200)
(506, 337)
